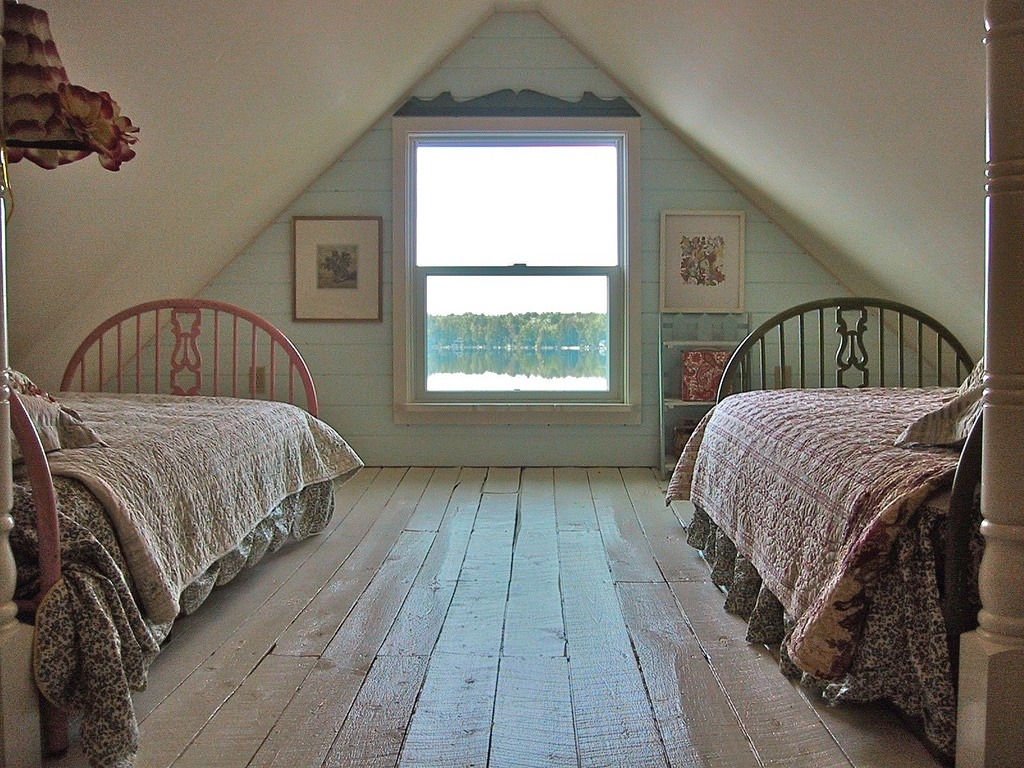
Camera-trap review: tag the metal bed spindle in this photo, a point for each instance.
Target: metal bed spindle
(764, 363)
(881, 347)
(216, 357)
(798, 377)
(234, 356)
(900, 357)
(102, 356)
(821, 349)
(782, 356)
(853, 347)
(252, 362)
(921, 357)
(156, 355)
(120, 368)
(138, 352)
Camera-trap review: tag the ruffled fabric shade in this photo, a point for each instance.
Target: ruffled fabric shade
(47, 120)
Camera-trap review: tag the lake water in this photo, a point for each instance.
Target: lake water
(523, 370)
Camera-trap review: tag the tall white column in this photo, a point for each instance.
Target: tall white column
(989, 726)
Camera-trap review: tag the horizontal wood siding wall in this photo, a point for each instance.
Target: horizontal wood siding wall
(352, 360)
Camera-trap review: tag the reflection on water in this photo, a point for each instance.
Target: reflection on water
(510, 370)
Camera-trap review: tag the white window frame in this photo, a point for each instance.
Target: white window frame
(412, 404)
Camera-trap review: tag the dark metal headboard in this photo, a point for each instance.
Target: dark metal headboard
(847, 342)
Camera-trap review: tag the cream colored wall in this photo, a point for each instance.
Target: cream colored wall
(352, 361)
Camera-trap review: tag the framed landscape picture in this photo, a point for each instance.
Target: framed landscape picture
(337, 267)
(702, 261)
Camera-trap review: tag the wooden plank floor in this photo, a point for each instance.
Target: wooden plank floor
(489, 617)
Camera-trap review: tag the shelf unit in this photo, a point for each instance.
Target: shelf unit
(679, 331)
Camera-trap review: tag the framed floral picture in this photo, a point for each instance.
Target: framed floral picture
(702, 261)
(337, 267)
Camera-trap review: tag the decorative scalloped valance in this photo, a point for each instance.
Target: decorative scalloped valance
(509, 103)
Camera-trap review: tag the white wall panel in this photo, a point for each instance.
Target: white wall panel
(352, 361)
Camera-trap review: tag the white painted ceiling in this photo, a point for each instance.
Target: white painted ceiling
(858, 125)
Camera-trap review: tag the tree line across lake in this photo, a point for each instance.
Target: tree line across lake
(525, 330)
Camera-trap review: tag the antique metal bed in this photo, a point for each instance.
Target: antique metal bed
(177, 451)
(821, 480)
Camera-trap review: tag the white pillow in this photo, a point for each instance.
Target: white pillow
(952, 422)
(57, 426)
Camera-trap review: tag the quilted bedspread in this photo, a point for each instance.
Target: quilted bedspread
(812, 491)
(153, 534)
(184, 479)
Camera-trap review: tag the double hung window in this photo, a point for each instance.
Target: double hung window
(516, 274)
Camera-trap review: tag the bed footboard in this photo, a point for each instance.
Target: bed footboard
(54, 721)
(19, 713)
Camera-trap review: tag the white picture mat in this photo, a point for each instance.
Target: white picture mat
(361, 302)
(678, 295)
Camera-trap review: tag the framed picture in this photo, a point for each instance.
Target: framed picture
(337, 267)
(702, 261)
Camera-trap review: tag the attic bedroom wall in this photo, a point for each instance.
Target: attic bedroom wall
(352, 361)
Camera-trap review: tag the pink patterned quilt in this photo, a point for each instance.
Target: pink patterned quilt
(811, 489)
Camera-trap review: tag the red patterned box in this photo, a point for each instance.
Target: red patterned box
(702, 373)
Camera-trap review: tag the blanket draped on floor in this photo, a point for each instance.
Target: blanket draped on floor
(902, 657)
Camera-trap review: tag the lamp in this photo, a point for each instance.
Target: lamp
(47, 120)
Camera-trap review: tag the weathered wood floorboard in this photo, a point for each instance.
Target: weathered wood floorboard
(496, 617)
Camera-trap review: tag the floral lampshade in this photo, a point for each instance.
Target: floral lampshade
(47, 120)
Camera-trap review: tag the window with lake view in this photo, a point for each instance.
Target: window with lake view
(515, 241)
(516, 266)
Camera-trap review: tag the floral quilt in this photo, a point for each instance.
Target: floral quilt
(811, 490)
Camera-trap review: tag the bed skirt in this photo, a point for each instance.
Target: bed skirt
(902, 655)
(93, 645)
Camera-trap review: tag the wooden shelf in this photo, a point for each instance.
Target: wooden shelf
(679, 332)
(694, 344)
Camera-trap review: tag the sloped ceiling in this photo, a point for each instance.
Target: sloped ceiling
(858, 125)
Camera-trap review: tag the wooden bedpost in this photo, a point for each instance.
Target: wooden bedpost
(989, 731)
